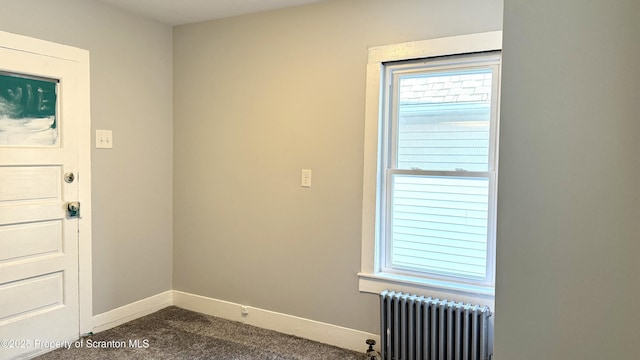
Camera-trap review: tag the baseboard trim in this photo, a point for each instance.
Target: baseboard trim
(310, 329)
(123, 314)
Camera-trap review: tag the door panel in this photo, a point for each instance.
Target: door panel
(35, 239)
(26, 297)
(39, 291)
(30, 183)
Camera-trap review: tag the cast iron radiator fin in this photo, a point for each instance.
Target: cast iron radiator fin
(418, 328)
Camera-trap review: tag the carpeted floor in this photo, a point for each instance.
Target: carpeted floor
(174, 333)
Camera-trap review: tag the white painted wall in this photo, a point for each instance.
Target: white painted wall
(131, 93)
(569, 199)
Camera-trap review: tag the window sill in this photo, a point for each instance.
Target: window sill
(376, 283)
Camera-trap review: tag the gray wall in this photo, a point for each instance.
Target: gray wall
(569, 198)
(131, 93)
(257, 99)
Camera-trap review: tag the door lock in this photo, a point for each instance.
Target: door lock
(69, 177)
(73, 209)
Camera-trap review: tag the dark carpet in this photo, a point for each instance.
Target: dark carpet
(174, 333)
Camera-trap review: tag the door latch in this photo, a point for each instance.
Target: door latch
(73, 209)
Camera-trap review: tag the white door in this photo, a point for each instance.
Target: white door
(42, 113)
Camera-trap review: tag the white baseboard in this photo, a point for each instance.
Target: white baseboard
(123, 314)
(309, 329)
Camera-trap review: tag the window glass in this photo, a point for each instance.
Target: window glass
(443, 121)
(439, 225)
(438, 215)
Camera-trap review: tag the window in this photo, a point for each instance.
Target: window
(438, 167)
(434, 165)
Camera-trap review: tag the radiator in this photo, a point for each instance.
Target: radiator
(420, 328)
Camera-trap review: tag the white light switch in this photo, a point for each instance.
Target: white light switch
(104, 139)
(306, 178)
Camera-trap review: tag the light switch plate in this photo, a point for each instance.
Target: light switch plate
(306, 178)
(104, 139)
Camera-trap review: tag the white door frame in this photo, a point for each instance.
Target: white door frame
(81, 57)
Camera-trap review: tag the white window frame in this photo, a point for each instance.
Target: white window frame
(372, 278)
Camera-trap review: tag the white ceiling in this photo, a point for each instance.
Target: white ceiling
(176, 12)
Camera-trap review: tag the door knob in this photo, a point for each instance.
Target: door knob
(73, 209)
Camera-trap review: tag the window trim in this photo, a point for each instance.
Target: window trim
(371, 279)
